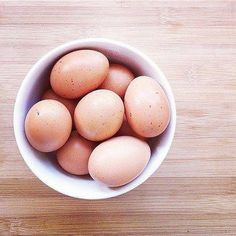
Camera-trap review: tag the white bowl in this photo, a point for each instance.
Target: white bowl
(43, 165)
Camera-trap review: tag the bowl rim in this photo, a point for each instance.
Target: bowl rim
(74, 43)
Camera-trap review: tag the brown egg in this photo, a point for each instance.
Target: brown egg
(70, 104)
(99, 115)
(73, 156)
(48, 125)
(126, 130)
(78, 73)
(118, 79)
(147, 107)
(118, 160)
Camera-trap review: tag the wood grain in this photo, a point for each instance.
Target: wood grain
(194, 43)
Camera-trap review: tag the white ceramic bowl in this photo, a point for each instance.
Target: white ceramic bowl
(43, 165)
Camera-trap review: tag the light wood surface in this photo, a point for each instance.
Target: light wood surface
(194, 43)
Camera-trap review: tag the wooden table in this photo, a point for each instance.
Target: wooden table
(194, 43)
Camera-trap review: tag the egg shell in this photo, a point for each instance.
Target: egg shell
(119, 160)
(78, 73)
(70, 104)
(147, 107)
(118, 79)
(74, 155)
(48, 125)
(99, 115)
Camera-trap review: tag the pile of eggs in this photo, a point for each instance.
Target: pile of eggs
(97, 116)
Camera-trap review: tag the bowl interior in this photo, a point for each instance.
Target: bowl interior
(43, 165)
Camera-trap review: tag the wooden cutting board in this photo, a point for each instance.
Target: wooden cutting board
(194, 43)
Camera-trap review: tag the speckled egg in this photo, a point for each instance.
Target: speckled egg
(78, 73)
(147, 107)
(99, 115)
(48, 125)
